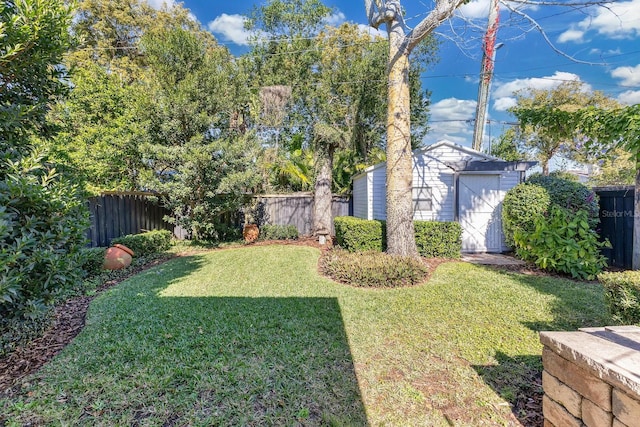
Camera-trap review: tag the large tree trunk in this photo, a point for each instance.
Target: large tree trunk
(400, 230)
(635, 255)
(322, 216)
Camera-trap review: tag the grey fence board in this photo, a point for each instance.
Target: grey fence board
(616, 224)
(118, 214)
(297, 209)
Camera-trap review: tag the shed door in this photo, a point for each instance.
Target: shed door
(480, 204)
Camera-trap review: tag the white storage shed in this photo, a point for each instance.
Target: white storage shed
(450, 183)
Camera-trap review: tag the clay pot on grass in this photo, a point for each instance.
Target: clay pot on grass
(117, 257)
(250, 232)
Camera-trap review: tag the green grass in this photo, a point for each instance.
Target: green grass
(254, 336)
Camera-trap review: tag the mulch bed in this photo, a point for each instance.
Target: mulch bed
(70, 319)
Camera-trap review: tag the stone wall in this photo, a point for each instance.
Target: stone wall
(592, 377)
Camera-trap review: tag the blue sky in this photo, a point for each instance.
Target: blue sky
(605, 40)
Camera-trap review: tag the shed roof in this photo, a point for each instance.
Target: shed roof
(443, 143)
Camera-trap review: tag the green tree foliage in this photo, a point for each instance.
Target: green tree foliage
(548, 135)
(33, 37)
(42, 221)
(506, 147)
(100, 130)
(196, 153)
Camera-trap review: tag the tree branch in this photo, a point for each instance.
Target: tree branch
(441, 12)
(538, 27)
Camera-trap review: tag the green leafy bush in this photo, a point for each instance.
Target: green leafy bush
(360, 235)
(372, 269)
(521, 205)
(278, 232)
(438, 239)
(92, 261)
(622, 295)
(569, 194)
(146, 243)
(562, 241)
(42, 233)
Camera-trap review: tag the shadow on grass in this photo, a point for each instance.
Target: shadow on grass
(576, 304)
(213, 360)
(573, 305)
(518, 380)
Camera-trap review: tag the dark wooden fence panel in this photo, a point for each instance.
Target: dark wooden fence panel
(115, 215)
(297, 209)
(616, 224)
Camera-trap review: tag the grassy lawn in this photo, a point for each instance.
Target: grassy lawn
(254, 336)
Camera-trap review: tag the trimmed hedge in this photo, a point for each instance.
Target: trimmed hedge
(360, 235)
(622, 295)
(373, 269)
(433, 238)
(146, 243)
(278, 232)
(438, 239)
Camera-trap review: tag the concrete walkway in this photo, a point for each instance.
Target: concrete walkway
(491, 259)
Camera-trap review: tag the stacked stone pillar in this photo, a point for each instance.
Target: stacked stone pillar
(592, 377)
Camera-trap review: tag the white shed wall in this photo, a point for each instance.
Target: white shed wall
(361, 197)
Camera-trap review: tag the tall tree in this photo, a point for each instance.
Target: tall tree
(195, 151)
(400, 230)
(402, 41)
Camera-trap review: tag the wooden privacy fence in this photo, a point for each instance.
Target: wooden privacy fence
(117, 214)
(297, 209)
(616, 224)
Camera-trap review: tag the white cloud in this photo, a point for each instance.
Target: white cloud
(503, 92)
(451, 119)
(617, 20)
(630, 76)
(474, 9)
(335, 19)
(367, 29)
(231, 28)
(630, 97)
(157, 4)
(573, 35)
(504, 103)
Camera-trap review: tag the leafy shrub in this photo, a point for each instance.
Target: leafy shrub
(92, 261)
(278, 232)
(372, 269)
(146, 243)
(438, 239)
(622, 295)
(42, 231)
(18, 331)
(569, 194)
(360, 235)
(562, 241)
(521, 205)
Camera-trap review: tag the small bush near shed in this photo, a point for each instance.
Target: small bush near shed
(622, 295)
(562, 241)
(278, 232)
(373, 269)
(438, 239)
(521, 205)
(569, 194)
(146, 243)
(360, 235)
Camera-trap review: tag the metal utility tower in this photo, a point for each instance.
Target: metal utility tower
(489, 48)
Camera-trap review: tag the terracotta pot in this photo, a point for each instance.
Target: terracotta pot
(117, 257)
(250, 233)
